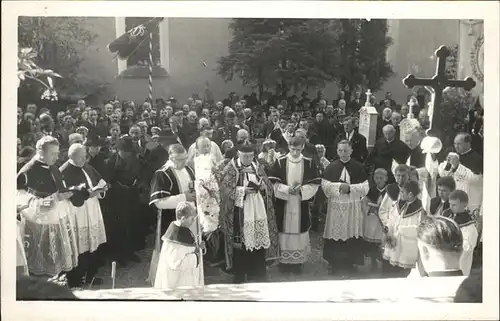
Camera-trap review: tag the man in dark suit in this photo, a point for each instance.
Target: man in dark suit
(387, 149)
(309, 148)
(358, 141)
(388, 101)
(271, 124)
(278, 135)
(158, 156)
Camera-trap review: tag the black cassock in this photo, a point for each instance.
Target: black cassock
(473, 161)
(278, 174)
(417, 158)
(165, 184)
(384, 152)
(123, 217)
(343, 254)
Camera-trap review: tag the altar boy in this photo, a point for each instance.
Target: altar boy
(179, 262)
(459, 212)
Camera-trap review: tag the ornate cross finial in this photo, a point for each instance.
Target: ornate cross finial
(438, 83)
(368, 96)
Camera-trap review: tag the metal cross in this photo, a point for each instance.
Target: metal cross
(439, 82)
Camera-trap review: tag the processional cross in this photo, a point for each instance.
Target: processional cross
(439, 82)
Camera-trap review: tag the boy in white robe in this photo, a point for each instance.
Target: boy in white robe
(180, 256)
(460, 214)
(400, 241)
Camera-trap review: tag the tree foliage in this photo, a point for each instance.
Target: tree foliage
(28, 69)
(58, 43)
(455, 104)
(301, 53)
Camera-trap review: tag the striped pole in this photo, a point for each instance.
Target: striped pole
(151, 68)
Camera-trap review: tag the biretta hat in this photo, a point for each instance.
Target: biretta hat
(246, 147)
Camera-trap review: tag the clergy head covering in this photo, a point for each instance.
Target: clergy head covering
(431, 144)
(246, 147)
(126, 144)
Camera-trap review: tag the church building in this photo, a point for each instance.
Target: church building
(186, 50)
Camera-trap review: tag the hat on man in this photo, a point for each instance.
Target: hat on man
(94, 141)
(167, 136)
(126, 144)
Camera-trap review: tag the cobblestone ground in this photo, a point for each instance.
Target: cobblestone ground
(315, 269)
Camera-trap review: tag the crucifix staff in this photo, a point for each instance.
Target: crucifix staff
(438, 83)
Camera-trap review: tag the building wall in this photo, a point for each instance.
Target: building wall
(415, 42)
(193, 41)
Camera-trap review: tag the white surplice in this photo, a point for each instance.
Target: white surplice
(90, 228)
(466, 181)
(470, 236)
(214, 151)
(178, 266)
(345, 215)
(294, 245)
(427, 177)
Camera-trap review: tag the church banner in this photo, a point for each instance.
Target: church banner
(471, 54)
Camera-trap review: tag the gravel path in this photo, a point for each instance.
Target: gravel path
(135, 274)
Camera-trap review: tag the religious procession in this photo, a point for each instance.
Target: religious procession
(240, 185)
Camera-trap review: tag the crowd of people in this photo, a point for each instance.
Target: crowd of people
(92, 179)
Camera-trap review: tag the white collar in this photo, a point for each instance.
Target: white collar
(294, 160)
(238, 162)
(73, 163)
(347, 161)
(466, 151)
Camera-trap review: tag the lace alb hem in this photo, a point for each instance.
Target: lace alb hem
(256, 235)
(90, 238)
(294, 257)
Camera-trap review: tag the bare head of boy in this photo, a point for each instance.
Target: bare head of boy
(380, 177)
(185, 214)
(445, 185)
(459, 200)
(409, 191)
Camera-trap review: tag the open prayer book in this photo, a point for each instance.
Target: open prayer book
(100, 187)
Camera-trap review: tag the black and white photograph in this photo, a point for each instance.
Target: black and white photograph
(261, 156)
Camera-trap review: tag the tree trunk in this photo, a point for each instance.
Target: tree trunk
(260, 83)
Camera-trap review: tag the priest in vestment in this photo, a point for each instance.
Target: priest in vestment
(466, 168)
(90, 228)
(345, 183)
(205, 131)
(49, 220)
(172, 183)
(296, 181)
(247, 217)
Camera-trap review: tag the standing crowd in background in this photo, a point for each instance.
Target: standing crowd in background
(91, 180)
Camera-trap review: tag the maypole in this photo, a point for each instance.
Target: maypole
(151, 69)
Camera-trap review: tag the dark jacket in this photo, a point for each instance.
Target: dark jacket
(358, 142)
